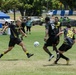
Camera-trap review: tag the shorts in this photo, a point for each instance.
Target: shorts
(64, 47)
(52, 40)
(14, 41)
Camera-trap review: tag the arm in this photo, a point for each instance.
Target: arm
(60, 33)
(4, 29)
(46, 35)
(23, 33)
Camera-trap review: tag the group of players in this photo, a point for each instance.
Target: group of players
(53, 31)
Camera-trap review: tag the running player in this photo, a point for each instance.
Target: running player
(23, 24)
(67, 44)
(14, 38)
(52, 40)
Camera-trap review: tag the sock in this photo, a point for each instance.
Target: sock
(58, 57)
(64, 57)
(48, 52)
(3, 53)
(26, 52)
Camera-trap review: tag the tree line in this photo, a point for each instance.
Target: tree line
(35, 7)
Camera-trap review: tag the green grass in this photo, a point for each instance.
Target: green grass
(17, 63)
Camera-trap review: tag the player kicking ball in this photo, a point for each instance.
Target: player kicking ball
(14, 38)
(69, 40)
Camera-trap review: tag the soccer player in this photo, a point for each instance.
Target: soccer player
(69, 40)
(50, 37)
(58, 29)
(14, 38)
(23, 24)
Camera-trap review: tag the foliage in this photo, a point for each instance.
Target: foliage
(35, 7)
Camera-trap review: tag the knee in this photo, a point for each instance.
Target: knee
(44, 47)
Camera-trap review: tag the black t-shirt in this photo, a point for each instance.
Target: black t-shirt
(52, 30)
(15, 30)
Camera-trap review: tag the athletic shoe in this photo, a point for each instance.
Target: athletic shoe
(52, 56)
(29, 55)
(1, 55)
(67, 62)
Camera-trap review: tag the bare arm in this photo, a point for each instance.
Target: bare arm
(4, 29)
(46, 34)
(60, 33)
(23, 33)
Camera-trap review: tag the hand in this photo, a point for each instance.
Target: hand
(25, 35)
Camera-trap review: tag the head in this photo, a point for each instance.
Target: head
(18, 22)
(56, 19)
(47, 19)
(6, 23)
(29, 18)
(69, 25)
(24, 20)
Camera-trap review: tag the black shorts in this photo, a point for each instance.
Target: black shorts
(64, 47)
(52, 40)
(14, 41)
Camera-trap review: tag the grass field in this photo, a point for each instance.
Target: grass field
(16, 62)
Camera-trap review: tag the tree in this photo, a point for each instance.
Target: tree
(69, 3)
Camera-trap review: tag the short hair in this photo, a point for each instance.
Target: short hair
(47, 19)
(68, 25)
(56, 17)
(18, 20)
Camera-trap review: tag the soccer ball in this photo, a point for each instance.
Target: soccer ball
(36, 43)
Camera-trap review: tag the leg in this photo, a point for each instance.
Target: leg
(25, 50)
(29, 30)
(23, 47)
(54, 48)
(47, 51)
(9, 49)
(60, 55)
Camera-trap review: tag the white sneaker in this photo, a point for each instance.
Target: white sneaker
(52, 56)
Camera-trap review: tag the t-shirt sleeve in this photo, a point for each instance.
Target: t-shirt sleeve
(10, 26)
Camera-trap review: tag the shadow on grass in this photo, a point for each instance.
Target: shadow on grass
(57, 65)
(12, 59)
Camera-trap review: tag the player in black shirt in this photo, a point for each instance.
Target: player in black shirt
(52, 40)
(14, 38)
(69, 40)
(23, 24)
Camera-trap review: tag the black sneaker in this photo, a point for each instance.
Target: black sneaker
(1, 55)
(29, 55)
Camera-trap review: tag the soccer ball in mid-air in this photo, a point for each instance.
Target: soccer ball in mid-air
(36, 43)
